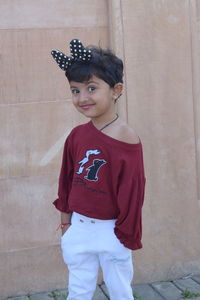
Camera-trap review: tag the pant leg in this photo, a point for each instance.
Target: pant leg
(82, 264)
(83, 277)
(117, 267)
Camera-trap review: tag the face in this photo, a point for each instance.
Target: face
(94, 99)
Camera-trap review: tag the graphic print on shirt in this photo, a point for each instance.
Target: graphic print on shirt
(94, 168)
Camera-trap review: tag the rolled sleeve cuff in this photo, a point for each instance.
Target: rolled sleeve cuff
(59, 205)
(128, 240)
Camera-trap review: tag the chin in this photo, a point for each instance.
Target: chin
(89, 114)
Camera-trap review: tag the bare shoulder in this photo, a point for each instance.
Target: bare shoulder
(122, 132)
(128, 134)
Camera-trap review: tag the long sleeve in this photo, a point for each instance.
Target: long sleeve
(65, 178)
(103, 178)
(130, 197)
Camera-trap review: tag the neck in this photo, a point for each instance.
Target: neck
(104, 122)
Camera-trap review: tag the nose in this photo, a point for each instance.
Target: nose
(83, 97)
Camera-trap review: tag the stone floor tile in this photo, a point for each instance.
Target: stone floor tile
(189, 284)
(141, 290)
(167, 290)
(198, 298)
(99, 295)
(61, 295)
(105, 290)
(146, 292)
(196, 278)
(42, 296)
(17, 298)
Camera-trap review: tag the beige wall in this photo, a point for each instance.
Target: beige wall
(163, 106)
(159, 41)
(36, 115)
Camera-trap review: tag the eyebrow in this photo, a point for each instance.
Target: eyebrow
(92, 82)
(88, 82)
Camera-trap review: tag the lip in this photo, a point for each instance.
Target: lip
(87, 106)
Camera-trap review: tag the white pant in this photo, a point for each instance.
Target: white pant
(89, 243)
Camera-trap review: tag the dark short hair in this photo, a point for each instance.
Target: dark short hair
(104, 64)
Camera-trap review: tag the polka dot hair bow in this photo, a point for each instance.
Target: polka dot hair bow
(78, 52)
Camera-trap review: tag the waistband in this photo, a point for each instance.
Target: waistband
(76, 217)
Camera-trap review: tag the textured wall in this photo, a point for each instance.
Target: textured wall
(159, 42)
(161, 50)
(36, 114)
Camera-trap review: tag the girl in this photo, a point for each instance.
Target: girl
(102, 179)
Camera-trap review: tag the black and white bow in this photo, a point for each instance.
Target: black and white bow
(78, 52)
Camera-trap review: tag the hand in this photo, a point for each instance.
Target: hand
(65, 228)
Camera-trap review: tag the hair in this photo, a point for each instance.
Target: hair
(104, 64)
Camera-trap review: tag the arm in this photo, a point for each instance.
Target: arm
(65, 178)
(128, 227)
(65, 218)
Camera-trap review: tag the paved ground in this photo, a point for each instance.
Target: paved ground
(185, 288)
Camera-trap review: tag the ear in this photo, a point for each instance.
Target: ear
(117, 90)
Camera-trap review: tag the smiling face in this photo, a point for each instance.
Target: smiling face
(95, 98)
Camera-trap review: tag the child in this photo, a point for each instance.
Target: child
(102, 180)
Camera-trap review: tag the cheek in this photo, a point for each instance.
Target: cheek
(74, 101)
(107, 100)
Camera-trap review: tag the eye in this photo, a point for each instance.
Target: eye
(75, 91)
(91, 88)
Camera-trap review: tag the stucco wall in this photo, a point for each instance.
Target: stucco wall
(163, 107)
(159, 42)
(36, 114)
